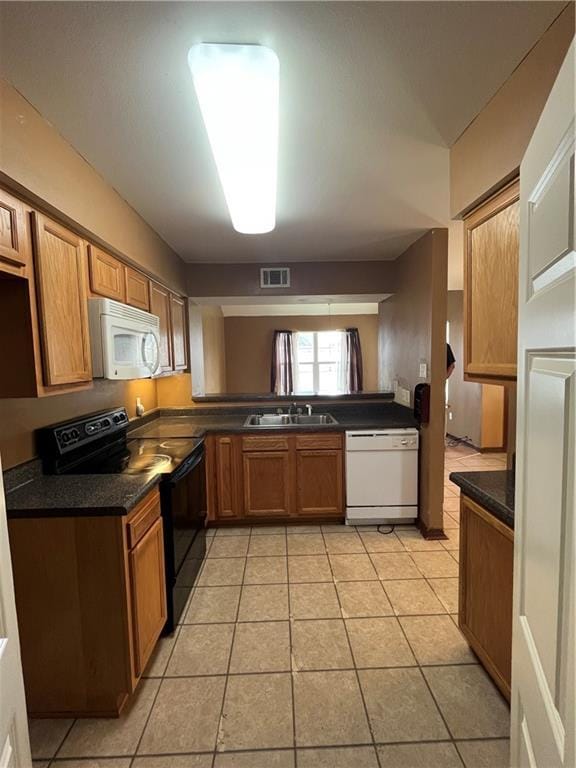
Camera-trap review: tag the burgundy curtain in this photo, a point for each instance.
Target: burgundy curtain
(353, 360)
(282, 374)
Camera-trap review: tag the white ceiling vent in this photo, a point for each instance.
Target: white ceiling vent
(275, 277)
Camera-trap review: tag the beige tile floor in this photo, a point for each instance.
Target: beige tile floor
(309, 647)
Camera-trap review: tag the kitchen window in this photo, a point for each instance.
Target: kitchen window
(320, 362)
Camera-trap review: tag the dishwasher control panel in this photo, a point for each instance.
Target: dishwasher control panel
(382, 440)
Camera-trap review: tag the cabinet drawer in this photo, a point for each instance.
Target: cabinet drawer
(272, 443)
(142, 518)
(318, 442)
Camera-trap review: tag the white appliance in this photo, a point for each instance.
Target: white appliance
(125, 341)
(381, 476)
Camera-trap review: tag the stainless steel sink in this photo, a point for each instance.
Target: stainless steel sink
(314, 418)
(268, 420)
(284, 420)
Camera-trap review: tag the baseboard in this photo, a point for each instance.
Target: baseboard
(432, 534)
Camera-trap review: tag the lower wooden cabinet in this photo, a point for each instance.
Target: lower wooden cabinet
(91, 603)
(267, 487)
(486, 576)
(275, 477)
(148, 587)
(319, 482)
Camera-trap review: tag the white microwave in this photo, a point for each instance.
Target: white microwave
(125, 341)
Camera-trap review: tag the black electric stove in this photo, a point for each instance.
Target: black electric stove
(98, 444)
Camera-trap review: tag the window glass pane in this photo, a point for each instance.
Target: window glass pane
(305, 378)
(329, 346)
(305, 347)
(329, 377)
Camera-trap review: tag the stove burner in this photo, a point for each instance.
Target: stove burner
(148, 462)
(171, 444)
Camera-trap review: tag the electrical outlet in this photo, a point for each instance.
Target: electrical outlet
(403, 396)
(423, 370)
(450, 416)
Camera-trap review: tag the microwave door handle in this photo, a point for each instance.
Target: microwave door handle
(153, 364)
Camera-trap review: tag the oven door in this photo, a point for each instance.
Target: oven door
(183, 502)
(129, 350)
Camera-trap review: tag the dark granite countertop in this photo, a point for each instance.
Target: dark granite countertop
(198, 422)
(269, 397)
(73, 495)
(492, 490)
(29, 493)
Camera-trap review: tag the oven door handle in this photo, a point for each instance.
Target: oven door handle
(188, 465)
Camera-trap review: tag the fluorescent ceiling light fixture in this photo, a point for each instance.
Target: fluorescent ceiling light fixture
(237, 89)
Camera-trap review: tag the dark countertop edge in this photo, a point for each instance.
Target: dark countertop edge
(476, 487)
(270, 398)
(108, 510)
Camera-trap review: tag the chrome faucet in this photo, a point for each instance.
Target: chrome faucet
(308, 409)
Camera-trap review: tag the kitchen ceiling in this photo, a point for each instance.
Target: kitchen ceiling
(371, 96)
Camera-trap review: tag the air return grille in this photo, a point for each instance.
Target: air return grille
(275, 277)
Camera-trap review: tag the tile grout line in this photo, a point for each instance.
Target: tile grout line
(291, 658)
(357, 676)
(216, 744)
(436, 704)
(177, 631)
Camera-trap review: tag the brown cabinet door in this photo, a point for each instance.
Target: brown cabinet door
(137, 289)
(491, 287)
(266, 480)
(485, 604)
(178, 325)
(148, 588)
(14, 239)
(319, 482)
(60, 261)
(106, 274)
(228, 499)
(160, 306)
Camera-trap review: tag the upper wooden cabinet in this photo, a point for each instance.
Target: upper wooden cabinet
(491, 239)
(60, 262)
(160, 306)
(14, 235)
(106, 274)
(178, 333)
(137, 289)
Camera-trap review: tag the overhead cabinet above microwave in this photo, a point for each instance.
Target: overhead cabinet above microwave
(48, 273)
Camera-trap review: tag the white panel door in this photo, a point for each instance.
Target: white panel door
(14, 744)
(544, 643)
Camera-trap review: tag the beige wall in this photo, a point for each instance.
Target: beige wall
(491, 148)
(213, 338)
(249, 347)
(19, 418)
(464, 397)
(34, 158)
(413, 328)
(37, 162)
(306, 278)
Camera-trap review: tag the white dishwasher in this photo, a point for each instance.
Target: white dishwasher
(381, 476)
